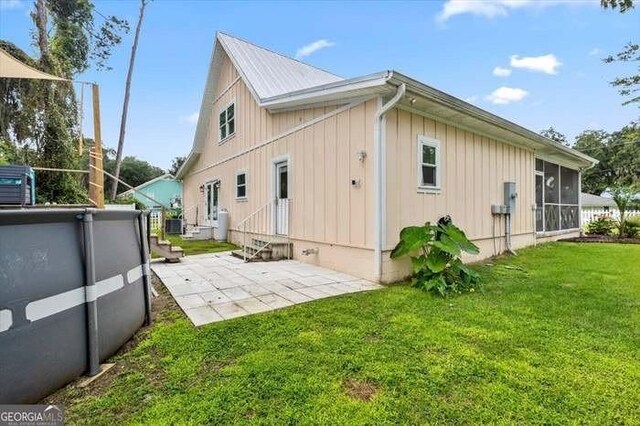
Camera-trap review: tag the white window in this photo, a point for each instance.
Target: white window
(241, 185)
(227, 122)
(428, 163)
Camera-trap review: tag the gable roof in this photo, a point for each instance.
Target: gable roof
(270, 74)
(166, 176)
(590, 200)
(280, 83)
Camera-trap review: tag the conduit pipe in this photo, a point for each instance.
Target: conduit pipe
(507, 234)
(380, 154)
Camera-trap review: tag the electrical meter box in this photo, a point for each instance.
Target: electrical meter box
(510, 196)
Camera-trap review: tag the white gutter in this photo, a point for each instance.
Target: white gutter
(380, 174)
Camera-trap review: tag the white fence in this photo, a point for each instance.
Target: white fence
(155, 219)
(589, 214)
(131, 206)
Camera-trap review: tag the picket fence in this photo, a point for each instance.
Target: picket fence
(155, 219)
(589, 214)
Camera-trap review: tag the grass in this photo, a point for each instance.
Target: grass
(191, 247)
(554, 338)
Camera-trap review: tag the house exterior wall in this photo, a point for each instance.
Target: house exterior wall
(326, 210)
(473, 169)
(163, 190)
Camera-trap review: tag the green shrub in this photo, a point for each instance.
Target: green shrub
(601, 225)
(129, 199)
(632, 227)
(437, 266)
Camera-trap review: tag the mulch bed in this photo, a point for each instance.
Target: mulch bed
(601, 239)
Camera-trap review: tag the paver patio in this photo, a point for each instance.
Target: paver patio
(216, 287)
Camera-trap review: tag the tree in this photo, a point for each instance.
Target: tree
(598, 178)
(125, 105)
(623, 196)
(618, 154)
(39, 118)
(554, 135)
(132, 171)
(623, 5)
(625, 155)
(627, 85)
(176, 163)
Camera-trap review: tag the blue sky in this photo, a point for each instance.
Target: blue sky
(548, 54)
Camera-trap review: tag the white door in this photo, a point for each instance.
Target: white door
(211, 200)
(282, 198)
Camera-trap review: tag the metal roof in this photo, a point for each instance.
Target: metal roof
(280, 83)
(590, 200)
(271, 74)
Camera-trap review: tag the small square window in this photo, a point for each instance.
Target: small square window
(241, 185)
(428, 163)
(227, 122)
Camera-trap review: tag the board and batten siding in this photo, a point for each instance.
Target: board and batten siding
(473, 170)
(323, 158)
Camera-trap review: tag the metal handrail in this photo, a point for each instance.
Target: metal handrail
(246, 219)
(270, 234)
(182, 213)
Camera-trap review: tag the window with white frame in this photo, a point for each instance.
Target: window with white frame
(241, 185)
(428, 163)
(227, 122)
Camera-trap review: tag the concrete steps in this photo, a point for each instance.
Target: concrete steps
(198, 233)
(261, 249)
(165, 249)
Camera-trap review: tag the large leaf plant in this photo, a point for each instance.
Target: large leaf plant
(435, 251)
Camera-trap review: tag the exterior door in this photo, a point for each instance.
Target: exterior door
(211, 201)
(282, 198)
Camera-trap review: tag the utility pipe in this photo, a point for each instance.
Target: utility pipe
(144, 256)
(379, 150)
(91, 293)
(507, 233)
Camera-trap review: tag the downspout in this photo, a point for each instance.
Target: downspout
(380, 153)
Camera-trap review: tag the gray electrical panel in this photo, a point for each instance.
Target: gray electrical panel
(510, 196)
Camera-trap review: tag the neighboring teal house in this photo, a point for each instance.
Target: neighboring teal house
(164, 189)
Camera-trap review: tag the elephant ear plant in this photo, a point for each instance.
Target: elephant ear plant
(435, 257)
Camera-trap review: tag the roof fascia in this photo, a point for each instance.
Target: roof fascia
(471, 110)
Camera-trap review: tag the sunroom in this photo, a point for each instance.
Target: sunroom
(557, 198)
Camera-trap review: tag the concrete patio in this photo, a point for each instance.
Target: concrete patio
(216, 287)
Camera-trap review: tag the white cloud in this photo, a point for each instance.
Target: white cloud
(505, 95)
(191, 118)
(497, 8)
(10, 4)
(547, 64)
(595, 51)
(501, 72)
(313, 47)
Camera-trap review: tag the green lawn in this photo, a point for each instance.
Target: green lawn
(554, 339)
(199, 246)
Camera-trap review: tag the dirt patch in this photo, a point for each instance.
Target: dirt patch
(373, 337)
(163, 309)
(362, 390)
(601, 239)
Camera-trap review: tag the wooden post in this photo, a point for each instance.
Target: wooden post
(96, 173)
(162, 213)
(80, 120)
